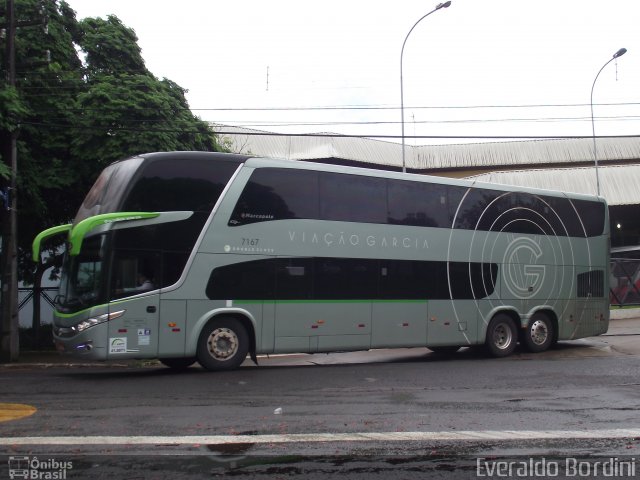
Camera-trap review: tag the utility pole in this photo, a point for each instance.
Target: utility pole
(9, 341)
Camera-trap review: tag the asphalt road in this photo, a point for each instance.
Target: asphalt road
(404, 413)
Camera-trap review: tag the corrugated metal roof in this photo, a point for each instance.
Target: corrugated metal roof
(354, 149)
(430, 157)
(619, 184)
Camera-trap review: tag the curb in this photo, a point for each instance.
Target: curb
(624, 313)
(52, 362)
(18, 366)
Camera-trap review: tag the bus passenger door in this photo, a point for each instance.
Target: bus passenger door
(135, 305)
(134, 334)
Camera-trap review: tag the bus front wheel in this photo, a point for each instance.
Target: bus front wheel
(223, 344)
(502, 336)
(539, 333)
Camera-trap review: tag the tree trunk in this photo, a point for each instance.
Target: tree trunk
(37, 297)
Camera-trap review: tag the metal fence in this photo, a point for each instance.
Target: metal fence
(625, 282)
(26, 294)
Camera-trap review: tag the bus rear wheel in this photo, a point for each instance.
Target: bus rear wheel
(502, 336)
(539, 333)
(223, 344)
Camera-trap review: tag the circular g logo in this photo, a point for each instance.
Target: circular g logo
(522, 276)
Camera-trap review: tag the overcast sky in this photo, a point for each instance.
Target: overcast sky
(477, 68)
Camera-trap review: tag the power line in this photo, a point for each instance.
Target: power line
(258, 123)
(323, 135)
(352, 107)
(262, 124)
(452, 137)
(420, 107)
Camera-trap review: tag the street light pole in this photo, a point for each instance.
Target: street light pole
(619, 53)
(9, 343)
(438, 7)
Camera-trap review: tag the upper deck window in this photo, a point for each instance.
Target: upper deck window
(174, 184)
(285, 194)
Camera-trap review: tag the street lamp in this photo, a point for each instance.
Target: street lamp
(438, 7)
(619, 53)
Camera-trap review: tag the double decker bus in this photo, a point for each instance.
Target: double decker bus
(210, 257)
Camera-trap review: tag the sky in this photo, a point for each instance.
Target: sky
(498, 68)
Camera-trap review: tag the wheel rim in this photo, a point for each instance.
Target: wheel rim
(539, 332)
(223, 344)
(502, 336)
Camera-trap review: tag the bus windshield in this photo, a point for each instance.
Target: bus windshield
(81, 282)
(107, 191)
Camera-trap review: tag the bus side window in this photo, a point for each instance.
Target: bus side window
(135, 272)
(277, 194)
(418, 203)
(353, 198)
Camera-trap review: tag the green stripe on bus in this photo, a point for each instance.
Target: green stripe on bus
(253, 302)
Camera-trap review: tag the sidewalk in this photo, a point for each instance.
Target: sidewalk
(623, 322)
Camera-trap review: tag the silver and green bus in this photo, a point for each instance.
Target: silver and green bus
(210, 257)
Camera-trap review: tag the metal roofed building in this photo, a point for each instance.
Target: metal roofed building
(619, 183)
(556, 164)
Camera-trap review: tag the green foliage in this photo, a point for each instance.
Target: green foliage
(110, 46)
(124, 115)
(74, 117)
(12, 109)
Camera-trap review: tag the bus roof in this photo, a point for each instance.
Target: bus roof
(262, 162)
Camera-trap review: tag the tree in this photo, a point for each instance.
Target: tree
(111, 47)
(122, 115)
(124, 109)
(75, 117)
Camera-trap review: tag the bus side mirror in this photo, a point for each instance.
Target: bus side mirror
(49, 232)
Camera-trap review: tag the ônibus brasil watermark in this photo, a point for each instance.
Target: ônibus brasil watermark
(612, 467)
(32, 468)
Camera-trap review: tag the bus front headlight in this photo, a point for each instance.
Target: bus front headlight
(91, 322)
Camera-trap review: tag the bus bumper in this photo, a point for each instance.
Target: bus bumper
(88, 345)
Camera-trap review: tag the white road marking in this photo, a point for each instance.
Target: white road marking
(485, 435)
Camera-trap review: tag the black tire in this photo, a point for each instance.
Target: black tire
(223, 345)
(178, 363)
(444, 350)
(539, 334)
(502, 336)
